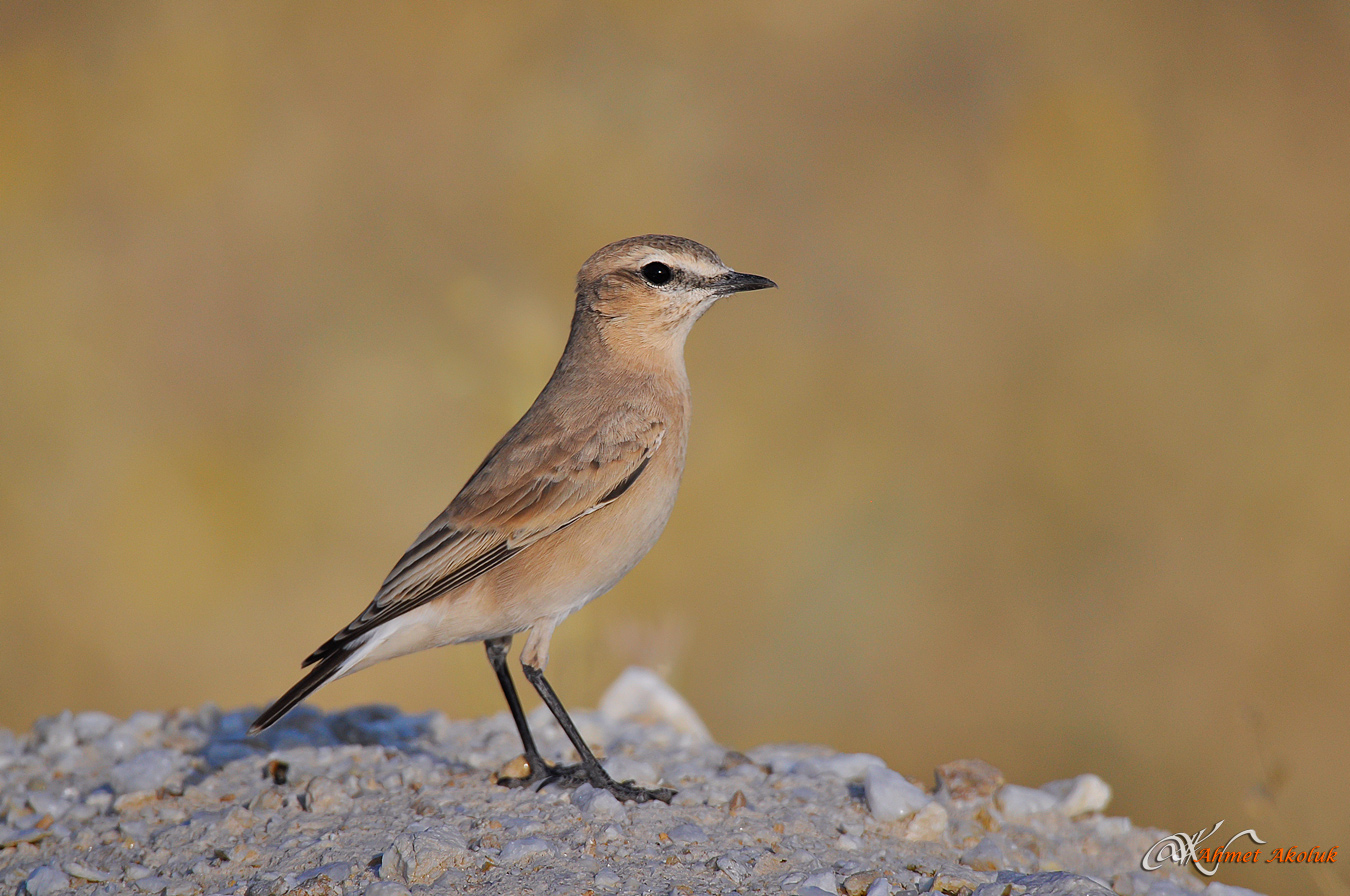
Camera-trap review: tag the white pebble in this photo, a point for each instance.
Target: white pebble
(1080, 795)
(90, 726)
(880, 887)
(148, 770)
(848, 843)
(928, 824)
(1016, 801)
(44, 880)
(687, 833)
(640, 695)
(736, 870)
(849, 766)
(890, 797)
(606, 880)
(420, 857)
(525, 849)
(598, 805)
(326, 796)
(84, 872)
(822, 880)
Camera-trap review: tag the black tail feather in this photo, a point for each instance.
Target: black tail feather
(325, 670)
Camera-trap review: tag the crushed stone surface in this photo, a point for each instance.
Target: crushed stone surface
(372, 801)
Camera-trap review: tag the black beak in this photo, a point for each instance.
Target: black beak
(738, 282)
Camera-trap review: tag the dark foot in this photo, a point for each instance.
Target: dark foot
(570, 776)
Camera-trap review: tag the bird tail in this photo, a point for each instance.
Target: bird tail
(330, 667)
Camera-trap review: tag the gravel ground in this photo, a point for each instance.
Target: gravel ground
(371, 801)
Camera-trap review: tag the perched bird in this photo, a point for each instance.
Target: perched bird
(565, 504)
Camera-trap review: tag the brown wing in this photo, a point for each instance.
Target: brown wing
(537, 481)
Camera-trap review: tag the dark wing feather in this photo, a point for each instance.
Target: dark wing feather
(529, 488)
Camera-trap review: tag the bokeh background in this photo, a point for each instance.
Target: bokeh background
(1041, 453)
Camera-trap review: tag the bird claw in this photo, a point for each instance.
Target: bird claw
(543, 774)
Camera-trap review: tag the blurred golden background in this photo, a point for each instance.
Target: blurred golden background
(1038, 455)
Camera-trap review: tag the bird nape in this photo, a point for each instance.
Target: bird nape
(569, 500)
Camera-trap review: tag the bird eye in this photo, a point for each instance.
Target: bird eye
(656, 273)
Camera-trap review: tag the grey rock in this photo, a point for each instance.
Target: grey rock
(420, 857)
(43, 803)
(606, 879)
(386, 888)
(733, 868)
(525, 849)
(148, 770)
(687, 833)
(822, 880)
(1044, 883)
(90, 726)
(44, 880)
(849, 766)
(84, 872)
(1077, 796)
(880, 887)
(325, 796)
(640, 695)
(1017, 802)
(987, 855)
(598, 805)
(890, 797)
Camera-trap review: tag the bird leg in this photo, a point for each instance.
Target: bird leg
(540, 771)
(589, 770)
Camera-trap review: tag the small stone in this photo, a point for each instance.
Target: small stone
(326, 797)
(606, 880)
(624, 768)
(890, 796)
(525, 849)
(90, 726)
(848, 766)
(519, 767)
(967, 780)
(136, 799)
(55, 734)
(928, 824)
(152, 884)
(44, 880)
(136, 872)
(44, 803)
(337, 871)
(421, 857)
(822, 880)
(1080, 795)
(880, 887)
(598, 805)
(1017, 802)
(733, 868)
(848, 843)
(987, 855)
(84, 872)
(1217, 889)
(687, 833)
(956, 879)
(386, 888)
(737, 802)
(639, 695)
(148, 770)
(858, 884)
